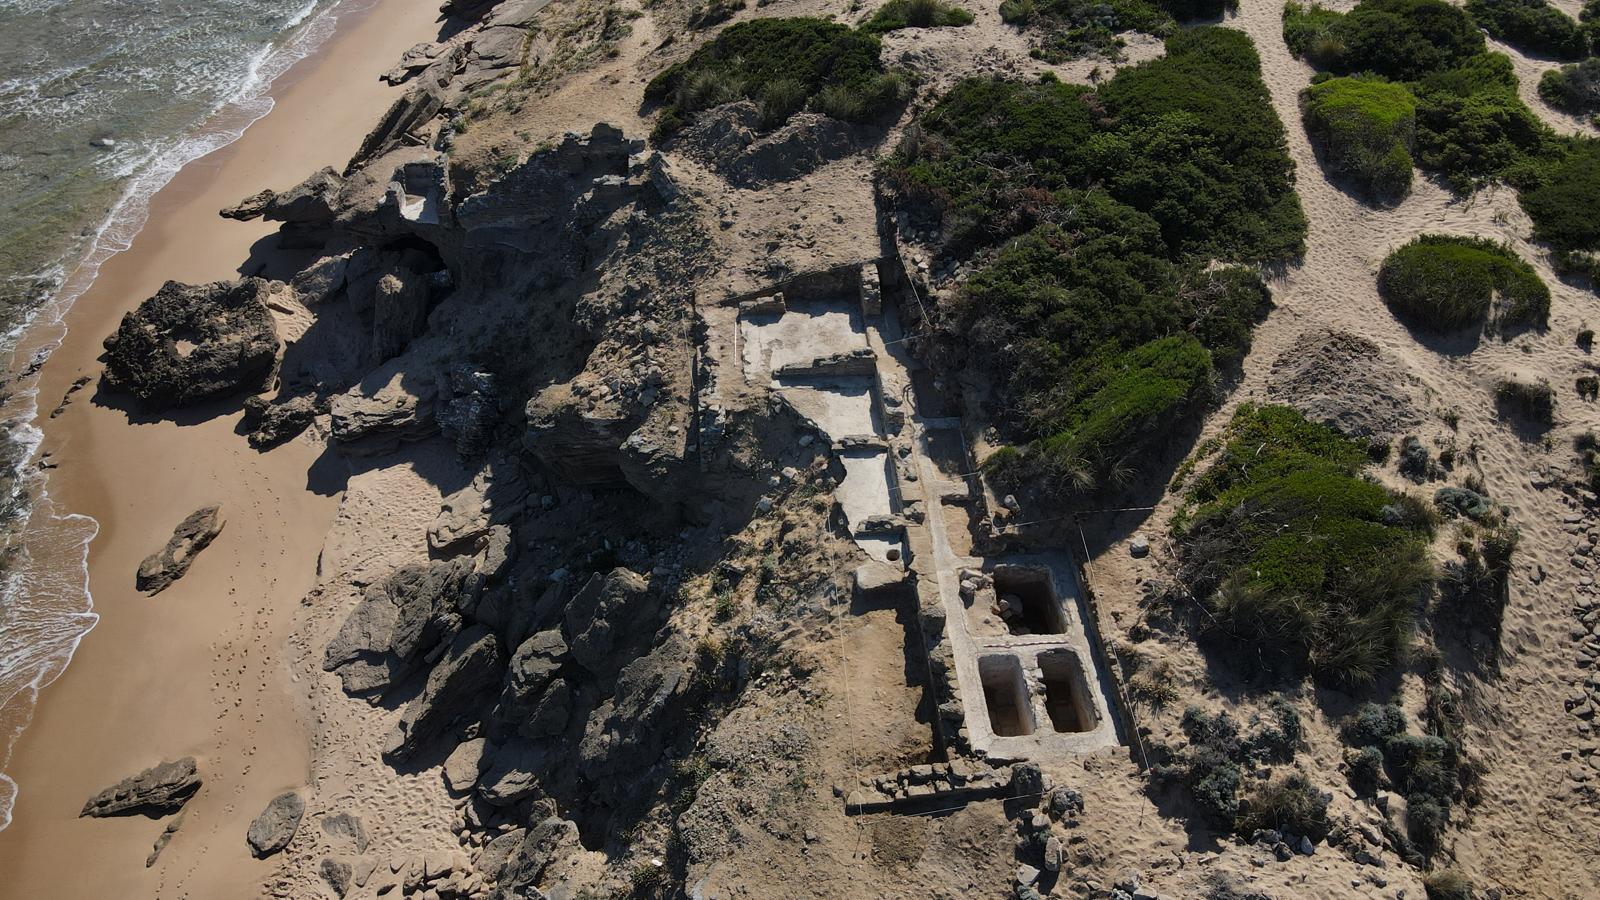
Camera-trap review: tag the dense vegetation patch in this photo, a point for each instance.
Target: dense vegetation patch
(1532, 26)
(898, 14)
(785, 65)
(1446, 282)
(1398, 39)
(1101, 316)
(1068, 29)
(1213, 769)
(1296, 555)
(1573, 89)
(1562, 203)
(1365, 128)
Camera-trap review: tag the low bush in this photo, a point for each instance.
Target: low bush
(1448, 884)
(1314, 33)
(1532, 26)
(1446, 282)
(1472, 126)
(1476, 588)
(1290, 549)
(835, 67)
(1196, 10)
(1068, 29)
(1365, 128)
(715, 12)
(1425, 769)
(1587, 445)
(898, 14)
(1532, 401)
(1573, 89)
(1289, 804)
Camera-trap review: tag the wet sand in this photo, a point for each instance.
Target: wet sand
(199, 669)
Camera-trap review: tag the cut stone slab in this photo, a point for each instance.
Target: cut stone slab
(273, 829)
(157, 790)
(160, 569)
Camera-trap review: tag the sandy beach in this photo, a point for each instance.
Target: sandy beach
(220, 692)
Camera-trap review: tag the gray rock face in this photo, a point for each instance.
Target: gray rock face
(473, 664)
(194, 342)
(399, 621)
(399, 313)
(273, 829)
(540, 847)
(311, 202)
(383, 412)
(513, 772)
(625, 733)
(157, 790)
(493, 858)
(604, 613)
(551, 714)
(729, 140)
(530, 672)
(160, 569)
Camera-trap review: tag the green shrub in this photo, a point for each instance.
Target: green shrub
(1373, 724)
(1532, 26)
(1365, 127)
(780, 99)
(1561, 204)
(1398, 39)
(898, 14)
(1425, 769)
(1573, 89)
(1289, 804)
(1279, 736)
(1289, 548)
(1533, 401)
(1068, 29)
(1472, 125)
(1364, 768)
(745, 58)
(1194, 10)
(1448, 884)
(1476, 588)
(1447, 282)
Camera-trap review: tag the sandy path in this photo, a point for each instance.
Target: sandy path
(199, 669)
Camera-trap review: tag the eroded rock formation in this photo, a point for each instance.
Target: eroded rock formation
(158, 790)
(195, 533)
(194, 342)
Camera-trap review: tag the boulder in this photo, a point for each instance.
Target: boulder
(272, 830)
(471, 665)
(551, 714)
(311, 202)
(601, 615)
(157, 790)
(533, 667)
(464, 765)
(513, 771)
(337, 873)
(400, 621)
(539, 848)
(270, 423)
(160, 569)
(496, 852)
(383, 412)
(194, 342)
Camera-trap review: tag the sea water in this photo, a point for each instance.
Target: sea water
(101, 103)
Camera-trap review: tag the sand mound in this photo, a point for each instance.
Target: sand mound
(1346, 382)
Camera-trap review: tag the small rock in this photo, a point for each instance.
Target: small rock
(1027, 875)
(1139, 546)
(273, 829)
(337, 874)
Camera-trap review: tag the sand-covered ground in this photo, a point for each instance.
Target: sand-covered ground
(199, 669)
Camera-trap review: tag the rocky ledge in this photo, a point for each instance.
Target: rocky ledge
(155, 791)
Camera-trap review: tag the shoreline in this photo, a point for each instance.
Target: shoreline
(222, 692)
(39, 334)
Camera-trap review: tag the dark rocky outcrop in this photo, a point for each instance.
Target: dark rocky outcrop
(270, 422)
(157, 790)
(382, 412)
(532, 669)
(540, 846)
(604, 614)
(464, 765)
(275, 827)
(309, 202)
(730, 140)
(400, 621)
(160, 569)
(513, 772)
(194, 342)
(471, 665)
(625, 734)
